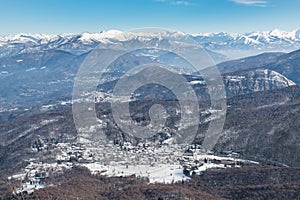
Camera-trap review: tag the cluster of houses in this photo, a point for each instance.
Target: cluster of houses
(193, 159)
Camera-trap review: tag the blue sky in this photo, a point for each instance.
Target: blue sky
(192, 16)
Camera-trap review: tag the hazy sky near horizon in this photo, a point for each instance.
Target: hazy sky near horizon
(192, 16)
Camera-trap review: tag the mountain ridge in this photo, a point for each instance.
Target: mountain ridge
(232, 45)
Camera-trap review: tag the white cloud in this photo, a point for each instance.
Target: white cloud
(175, 2)
(184, 3)
(261, 3)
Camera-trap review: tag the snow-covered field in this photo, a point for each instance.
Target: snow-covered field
(161, 173)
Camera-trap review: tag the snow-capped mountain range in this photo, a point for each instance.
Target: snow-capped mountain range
(230, 45)
(53, 61)
(242, 45)
(254, 38)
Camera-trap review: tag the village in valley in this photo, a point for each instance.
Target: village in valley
(159, 163)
